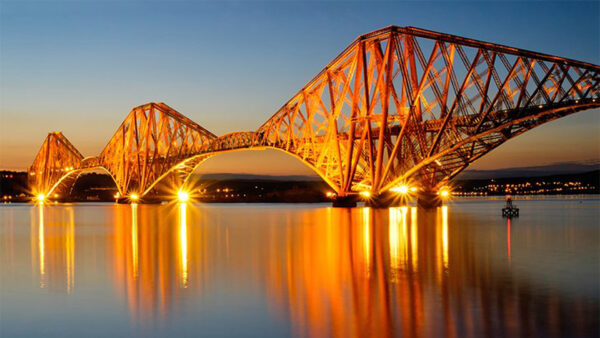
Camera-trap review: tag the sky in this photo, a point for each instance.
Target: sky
(80, 66)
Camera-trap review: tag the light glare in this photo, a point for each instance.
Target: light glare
(403, 189)
(183, 196)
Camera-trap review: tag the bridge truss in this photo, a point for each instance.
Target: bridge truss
(398, 105)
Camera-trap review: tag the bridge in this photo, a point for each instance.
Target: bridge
(399, 107)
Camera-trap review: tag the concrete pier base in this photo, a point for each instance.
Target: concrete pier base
(428, 199)
(345, 201)
(122, 200)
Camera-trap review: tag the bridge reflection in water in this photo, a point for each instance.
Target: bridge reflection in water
(327, 271)
(52, 235)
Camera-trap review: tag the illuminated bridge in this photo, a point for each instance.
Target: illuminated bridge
(399, 107)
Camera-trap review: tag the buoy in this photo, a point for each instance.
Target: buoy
(510, 210)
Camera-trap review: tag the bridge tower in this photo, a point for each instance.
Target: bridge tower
(56, 162)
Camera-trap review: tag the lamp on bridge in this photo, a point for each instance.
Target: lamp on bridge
(402, 189)
(444, 193)
(183, 196)
(40, 198)
(134, 197)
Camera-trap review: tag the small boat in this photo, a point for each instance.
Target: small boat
(510, 210)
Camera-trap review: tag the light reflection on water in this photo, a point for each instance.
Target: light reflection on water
(273, 270)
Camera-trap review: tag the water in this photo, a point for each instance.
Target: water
(300, 270)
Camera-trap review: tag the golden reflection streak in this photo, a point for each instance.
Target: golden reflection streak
(134, 239)
(445, 237)
(394, 239)
(508, 237)
(367, 238)
(398, 238)
(413, 237)
(183, 243)
(70, 254)
(33, 238)
(41, 245)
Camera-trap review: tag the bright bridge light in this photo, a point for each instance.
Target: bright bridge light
(366, 194)
(444, 193)
(134, 197)
(40, 198)
(402, 189)
(183, 196)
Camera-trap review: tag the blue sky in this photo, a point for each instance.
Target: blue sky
(80, 66)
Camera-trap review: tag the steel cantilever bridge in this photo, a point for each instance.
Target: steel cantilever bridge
(398, 105)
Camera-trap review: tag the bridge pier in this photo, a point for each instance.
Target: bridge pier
(123, 200)
(428, 199)
(348, 201)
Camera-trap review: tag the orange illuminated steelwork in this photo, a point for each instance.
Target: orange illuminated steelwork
(53, 163)
(398, 104)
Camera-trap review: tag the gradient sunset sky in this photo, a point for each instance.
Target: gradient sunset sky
(80, 66)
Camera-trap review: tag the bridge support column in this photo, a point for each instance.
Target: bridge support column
(428, 199)
(345, 201)
(384, 200)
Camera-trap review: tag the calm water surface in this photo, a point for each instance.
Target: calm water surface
(300, 270)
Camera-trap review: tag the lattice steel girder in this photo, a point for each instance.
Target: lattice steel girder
(56, 158)
(396, 99)
(398, 104)
(152, 140)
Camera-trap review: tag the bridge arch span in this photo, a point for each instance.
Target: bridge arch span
(495, 138)
(177, 177)
(64, 186)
